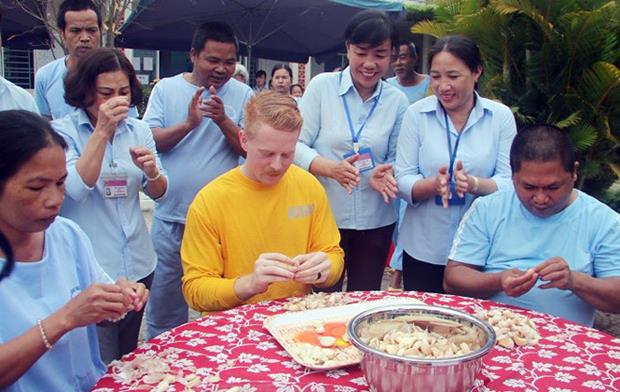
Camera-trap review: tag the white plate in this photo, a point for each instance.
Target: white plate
(282, 325)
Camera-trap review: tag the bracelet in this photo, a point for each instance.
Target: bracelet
(151, 179)
(46, 342)
(474, 189)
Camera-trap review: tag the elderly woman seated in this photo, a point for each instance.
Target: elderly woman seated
(56, 292)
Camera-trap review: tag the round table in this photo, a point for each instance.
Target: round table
(232, 350)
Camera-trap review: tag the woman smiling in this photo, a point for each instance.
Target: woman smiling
(348, 140)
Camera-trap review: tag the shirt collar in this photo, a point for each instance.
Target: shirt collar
(346, 84)
(433, 105)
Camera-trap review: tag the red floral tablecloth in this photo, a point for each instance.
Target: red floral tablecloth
(232, 350)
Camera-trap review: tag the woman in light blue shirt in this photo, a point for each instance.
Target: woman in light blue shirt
(348, 140)
(56, 292)
(110, 158)
(453, 147)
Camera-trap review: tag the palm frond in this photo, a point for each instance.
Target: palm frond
(431, 28)
(615, 168)
(598, 82)
(527, 9)
(583, 136)
(572, 120)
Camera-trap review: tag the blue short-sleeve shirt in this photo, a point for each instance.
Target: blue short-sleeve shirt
(34, 290)
(499, 233)
(204, 153)
(413, 93)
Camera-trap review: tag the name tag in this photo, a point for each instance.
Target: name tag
(454, 199)
(115, 185)
(365, 161)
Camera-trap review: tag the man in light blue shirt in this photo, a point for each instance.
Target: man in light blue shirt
(415, 86)
(79, 22)
(544, 246)
(195, 118)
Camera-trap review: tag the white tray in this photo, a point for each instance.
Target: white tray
(284, 326)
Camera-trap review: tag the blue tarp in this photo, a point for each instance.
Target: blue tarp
(289, 30)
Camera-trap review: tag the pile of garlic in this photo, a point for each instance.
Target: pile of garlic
(421, 337)
(317, 300)
(309, 354)
(511, 328)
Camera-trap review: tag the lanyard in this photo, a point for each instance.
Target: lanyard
(356, 136)
(451, 152)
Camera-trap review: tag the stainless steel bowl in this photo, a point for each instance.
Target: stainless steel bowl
(386, 373)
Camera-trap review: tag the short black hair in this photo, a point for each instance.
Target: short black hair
(213, 31)
(282, 66)
(371, 27)
(76, 5)
(413, 51)
(260, 73)
(542, 143)
(460, 46)
(22, 135)
(81, 82)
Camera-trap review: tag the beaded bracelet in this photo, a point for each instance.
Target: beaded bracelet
(151, 179)
(46, 342)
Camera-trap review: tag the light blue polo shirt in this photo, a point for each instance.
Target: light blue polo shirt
(413, 93)
(427, 229)
(49, 90)
(13, 97)
(115, 226)
(34, 290)
(326, 133)
(204, 153)
(499, 233)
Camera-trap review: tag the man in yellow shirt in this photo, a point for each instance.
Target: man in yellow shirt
(265, 229)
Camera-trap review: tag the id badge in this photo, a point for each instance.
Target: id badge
(454, 199)
(365, 161)
(115, 185)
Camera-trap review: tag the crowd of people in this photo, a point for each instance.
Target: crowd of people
(273, 191)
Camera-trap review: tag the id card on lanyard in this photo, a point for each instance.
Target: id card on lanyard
(454, 199)
(366, 160)
(114, 182)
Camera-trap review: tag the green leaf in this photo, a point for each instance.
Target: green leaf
(583, 136)
(431, 28)
(572, 120)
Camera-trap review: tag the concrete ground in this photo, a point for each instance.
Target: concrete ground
(605, 322)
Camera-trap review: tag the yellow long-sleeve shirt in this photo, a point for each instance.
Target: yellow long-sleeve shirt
(233, 220)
